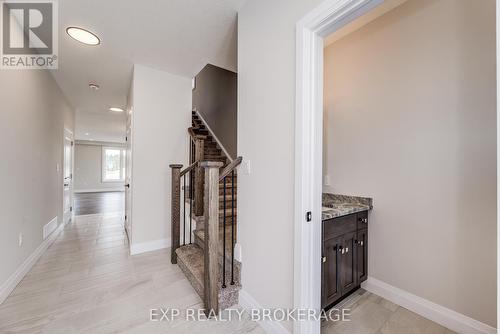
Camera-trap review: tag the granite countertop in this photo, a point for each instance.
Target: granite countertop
(335, 205)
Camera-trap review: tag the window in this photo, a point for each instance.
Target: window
(113, 164)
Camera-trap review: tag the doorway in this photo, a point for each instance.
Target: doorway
(68, 176)
(311, 30)
(128, 180)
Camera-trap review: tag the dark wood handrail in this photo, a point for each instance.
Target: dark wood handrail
(195, 135)
(188, 169)
(229, 168)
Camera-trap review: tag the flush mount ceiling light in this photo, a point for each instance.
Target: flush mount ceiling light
(83, 36)
(94, 87)
(116, 109)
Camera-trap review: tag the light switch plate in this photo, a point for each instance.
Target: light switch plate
(248, 167)
(327, 180)
(237, 252)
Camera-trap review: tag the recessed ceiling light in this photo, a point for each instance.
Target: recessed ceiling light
(86, 133)
(83, 36)
(116, 109)
(94, 87)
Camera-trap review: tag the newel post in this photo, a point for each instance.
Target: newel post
(175, 210)
(211, 249)
(199, 148)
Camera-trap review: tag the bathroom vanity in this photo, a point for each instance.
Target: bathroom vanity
(345, 246)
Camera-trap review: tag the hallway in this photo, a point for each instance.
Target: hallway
(87, 282)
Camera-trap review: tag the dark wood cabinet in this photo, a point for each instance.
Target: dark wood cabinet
(345, 256)
(362, 255)
(348, 271)
(330, 271)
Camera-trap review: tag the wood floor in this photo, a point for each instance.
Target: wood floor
(102, 202)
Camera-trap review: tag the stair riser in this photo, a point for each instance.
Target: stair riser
(237, 265)
(229, 208)
(228, 191)
(227, 298)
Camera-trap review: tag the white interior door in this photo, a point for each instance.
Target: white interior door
(68, 176)
(128, 181)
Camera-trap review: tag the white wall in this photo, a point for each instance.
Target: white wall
(266, 111)
(161, 117)
(88, 168)
(410, 120)
(33, 115)
(103, 126)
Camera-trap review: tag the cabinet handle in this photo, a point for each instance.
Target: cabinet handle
(361, 243)
(347, 250)
(323, 259)
(363, 220)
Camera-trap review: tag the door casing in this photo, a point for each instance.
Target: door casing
(68, 174)
(325, 19)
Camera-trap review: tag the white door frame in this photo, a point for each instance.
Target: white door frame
(68, 133)
(328, 17)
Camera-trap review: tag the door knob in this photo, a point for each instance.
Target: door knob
(127, 185)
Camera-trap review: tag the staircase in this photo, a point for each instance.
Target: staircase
(213, 265)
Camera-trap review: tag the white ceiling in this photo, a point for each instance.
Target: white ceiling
(178, 36)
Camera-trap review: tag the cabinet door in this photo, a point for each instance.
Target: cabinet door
(348, 270)
(362, 255)
(330, 285)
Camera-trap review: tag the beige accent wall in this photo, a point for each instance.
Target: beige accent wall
(215, 99)
(410, 120)
(33, 114)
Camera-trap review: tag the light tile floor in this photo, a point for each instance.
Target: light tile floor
(371, 314)
(87, 282)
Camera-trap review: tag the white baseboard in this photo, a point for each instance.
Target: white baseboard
(149, 246)
(10, 284)
(247, 302)
(83, 191)
(49, 228)
(444, 316)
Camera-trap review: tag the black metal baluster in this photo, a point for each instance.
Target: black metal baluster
(190, 190)
(190, 206)
(184, 211)
(232, 228)
(224, 239)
